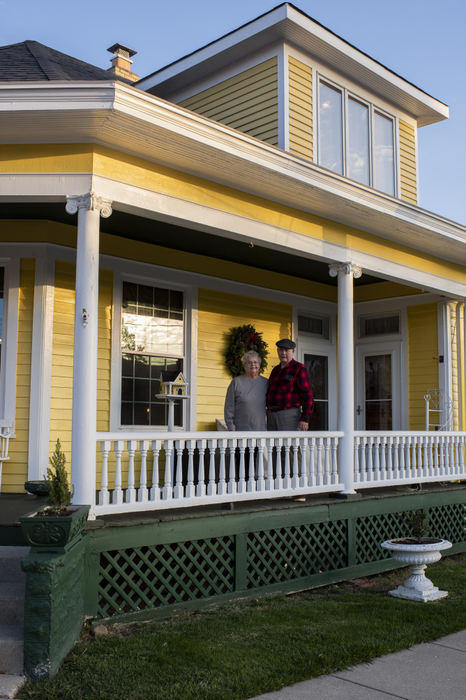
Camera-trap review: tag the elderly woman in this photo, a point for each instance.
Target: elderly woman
(245, 399)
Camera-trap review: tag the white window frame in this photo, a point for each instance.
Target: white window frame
(115, 404)
(9, 343)
(345, 94)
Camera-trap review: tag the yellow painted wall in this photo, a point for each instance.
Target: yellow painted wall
(300, 108)
(422, 360)
(218, 312)
(408, 178)
(62, 354)
(247, 101)
(15, 471)
(455, 393)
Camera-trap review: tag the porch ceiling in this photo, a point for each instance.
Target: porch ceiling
(184, 239)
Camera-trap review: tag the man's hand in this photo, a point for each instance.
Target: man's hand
(303, 425)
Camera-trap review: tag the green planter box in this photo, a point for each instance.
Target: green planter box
(53, 531)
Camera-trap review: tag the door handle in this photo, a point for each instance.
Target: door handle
(358, 410)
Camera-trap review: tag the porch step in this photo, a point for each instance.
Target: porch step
(10, 563)
(12, 602)
(11, 650)
(9, 685)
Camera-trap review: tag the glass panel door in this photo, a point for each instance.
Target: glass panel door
(317, 366)
(378, 382)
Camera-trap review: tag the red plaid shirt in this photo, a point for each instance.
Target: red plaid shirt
(289, 387)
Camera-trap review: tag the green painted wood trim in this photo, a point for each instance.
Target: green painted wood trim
(351, 541)
(241, 562)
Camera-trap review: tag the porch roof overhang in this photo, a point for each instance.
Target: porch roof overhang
(126, 119)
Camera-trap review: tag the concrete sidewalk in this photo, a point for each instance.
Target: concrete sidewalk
(434, 671)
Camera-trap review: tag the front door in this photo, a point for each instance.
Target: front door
(378, 389)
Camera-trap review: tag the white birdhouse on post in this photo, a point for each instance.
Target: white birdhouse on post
(171, 391)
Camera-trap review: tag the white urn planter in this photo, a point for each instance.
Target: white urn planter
(417, 555)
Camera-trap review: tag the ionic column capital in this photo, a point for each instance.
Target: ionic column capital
(89, 201)
(346, 268)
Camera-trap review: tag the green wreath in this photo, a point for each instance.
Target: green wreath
(238, 341)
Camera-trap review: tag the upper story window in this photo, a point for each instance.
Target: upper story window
(356, 139)
(152, 344)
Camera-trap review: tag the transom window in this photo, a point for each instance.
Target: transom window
(318, 326)
(356, 139)
(370, 326)
(152, 346)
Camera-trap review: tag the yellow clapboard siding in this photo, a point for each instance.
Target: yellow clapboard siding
(300, 108)
(15, 471)
(408, 179)
(218, 312)
(422, 362)
(238, 101)
(62, 354)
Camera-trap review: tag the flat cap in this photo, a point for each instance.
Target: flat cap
(286, 343)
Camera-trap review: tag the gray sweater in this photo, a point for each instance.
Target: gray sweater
(245, 403)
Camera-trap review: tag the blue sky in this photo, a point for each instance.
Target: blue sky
(422, 40)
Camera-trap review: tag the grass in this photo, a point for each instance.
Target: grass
(255, 646)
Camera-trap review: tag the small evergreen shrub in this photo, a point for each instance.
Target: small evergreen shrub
(59, 491)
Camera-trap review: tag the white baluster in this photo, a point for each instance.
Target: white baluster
(155, 488)
(241, 487)
(422, 466)
(232, 466)
(269, 481)
(312, 456)
(370, 461)
(286, 476)
(356, 451)
(334, 460)
(382, 458)
(200, 489)
(362, 461)
(222, 484)
(105, 446)
(395, 452)
(441, 456)
(131, 491)
(211, 486)
(190, 488)
(403, 473)
(326, 462)
(167, 490)
(451, 452)
(260, 484)
(320, 480)
(304, 446)
(376, 448)
(388, 451)
(117, 497)
(295, 475)
(251, 485)
(278, 467)
(178, 468)
(142, 491)
(435, 450)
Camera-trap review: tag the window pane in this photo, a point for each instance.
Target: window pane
(330, 129)
(319, 418)
(384, 162)
(358, 141)
(378, 377)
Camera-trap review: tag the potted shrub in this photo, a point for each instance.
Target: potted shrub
(59, 523)
(417, 550)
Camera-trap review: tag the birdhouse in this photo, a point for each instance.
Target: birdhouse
(175, 387)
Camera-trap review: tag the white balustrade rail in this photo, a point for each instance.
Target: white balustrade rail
(142, 471)
(385, 458)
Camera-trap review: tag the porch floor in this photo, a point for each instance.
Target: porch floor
(13, 505)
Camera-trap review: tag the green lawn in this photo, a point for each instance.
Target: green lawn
(251, 647)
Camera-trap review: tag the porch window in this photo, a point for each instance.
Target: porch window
(355, 138)
(152, 346)
(317, 366)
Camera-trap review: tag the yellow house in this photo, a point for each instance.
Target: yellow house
(268, 178)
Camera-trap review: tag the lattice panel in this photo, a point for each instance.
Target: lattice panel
(448, 522)
(287, 553)
(374, 529)
(159, 575)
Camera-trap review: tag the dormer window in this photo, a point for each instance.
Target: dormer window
(355, 138)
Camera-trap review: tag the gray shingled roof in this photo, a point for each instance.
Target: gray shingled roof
(30, 60)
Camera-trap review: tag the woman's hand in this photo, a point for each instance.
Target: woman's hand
(303, 425)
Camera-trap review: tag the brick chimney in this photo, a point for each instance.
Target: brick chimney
(121, 63)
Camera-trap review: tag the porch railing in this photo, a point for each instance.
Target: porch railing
(169, 470)
(141, 471)
(385, 458)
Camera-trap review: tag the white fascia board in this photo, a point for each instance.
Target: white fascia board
(286, 23)
(214, 48)
(153, 129)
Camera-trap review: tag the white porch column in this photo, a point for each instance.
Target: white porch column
(345, 273)
(83, 445)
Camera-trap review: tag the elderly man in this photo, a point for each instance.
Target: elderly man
(289, 395)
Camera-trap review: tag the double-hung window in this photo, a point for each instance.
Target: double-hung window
(152, 348)
(355, 138)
